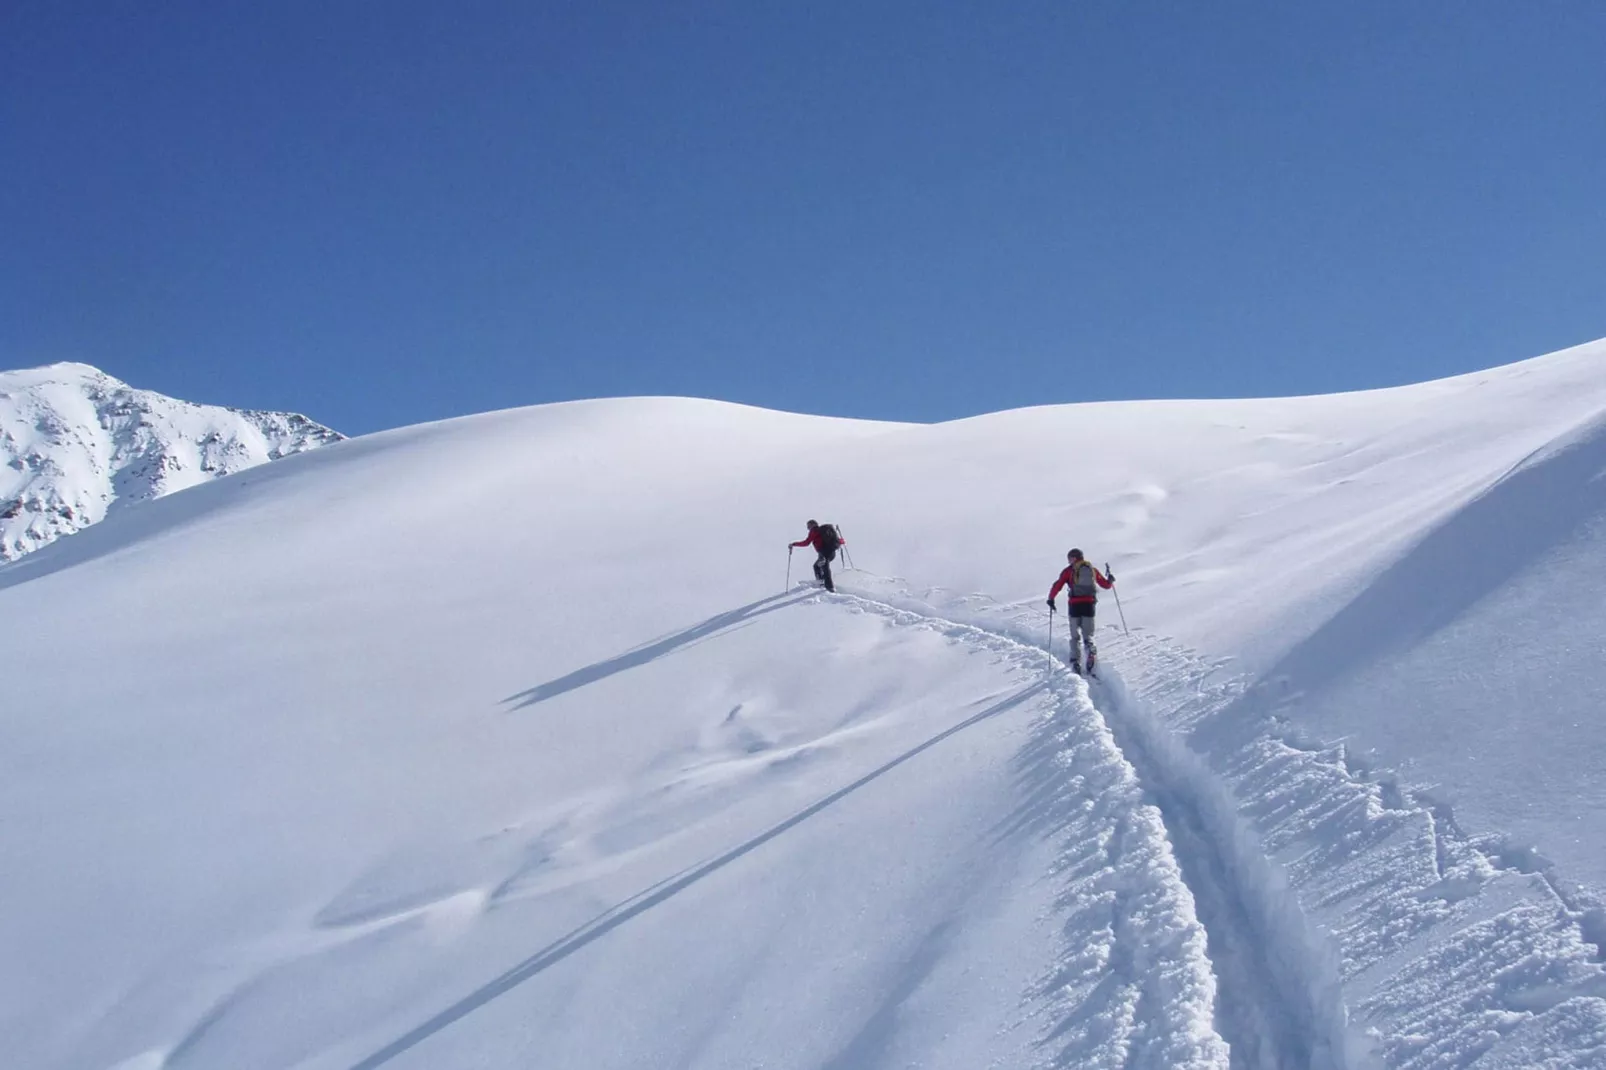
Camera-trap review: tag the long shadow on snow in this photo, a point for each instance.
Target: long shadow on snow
(871, 1044)
(654, 650)
(611, 919)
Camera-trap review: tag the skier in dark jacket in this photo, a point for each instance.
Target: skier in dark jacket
(1082, 581)
(826, 542)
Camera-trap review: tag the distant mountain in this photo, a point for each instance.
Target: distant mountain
(76, 443)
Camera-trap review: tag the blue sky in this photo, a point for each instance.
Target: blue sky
(380, 213)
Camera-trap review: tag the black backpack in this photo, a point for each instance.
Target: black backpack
(829, 539)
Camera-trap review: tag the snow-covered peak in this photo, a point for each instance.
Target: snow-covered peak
(76, 443)
(60, 372)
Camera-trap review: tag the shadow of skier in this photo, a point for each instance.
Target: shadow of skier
(654, 650)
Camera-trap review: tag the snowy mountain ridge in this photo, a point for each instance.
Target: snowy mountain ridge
(76, 443)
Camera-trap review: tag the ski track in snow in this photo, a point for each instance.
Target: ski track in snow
(1457, 950)
(1133, 986)
(1276, 1000)
(1319, 878)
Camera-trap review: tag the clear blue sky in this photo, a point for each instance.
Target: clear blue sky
(385, 212)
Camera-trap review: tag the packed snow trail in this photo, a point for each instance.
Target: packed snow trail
(1128, 800)
(1279, 1000)
(1456, 950)
(1283, 1004)
(1446, 951)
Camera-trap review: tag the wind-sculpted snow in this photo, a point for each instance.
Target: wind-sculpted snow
(76, 443)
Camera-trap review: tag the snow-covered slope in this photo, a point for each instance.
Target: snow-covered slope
(76, 443)
(504, 741)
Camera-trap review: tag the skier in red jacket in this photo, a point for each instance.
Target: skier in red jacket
(1080, 578)
(826, 542)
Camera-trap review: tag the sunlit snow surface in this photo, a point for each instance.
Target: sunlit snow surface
(508, 741)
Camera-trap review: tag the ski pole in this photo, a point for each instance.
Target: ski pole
(1051, 631)
(847, 558)
(788, 586)
(1117, 592)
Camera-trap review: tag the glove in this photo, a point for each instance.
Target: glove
(1052, 608)
(1111, 577)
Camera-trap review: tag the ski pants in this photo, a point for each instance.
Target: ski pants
(1081, 627)
(822, 569)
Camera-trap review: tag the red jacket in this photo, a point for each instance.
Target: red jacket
(1068, 579)
(813, 539)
